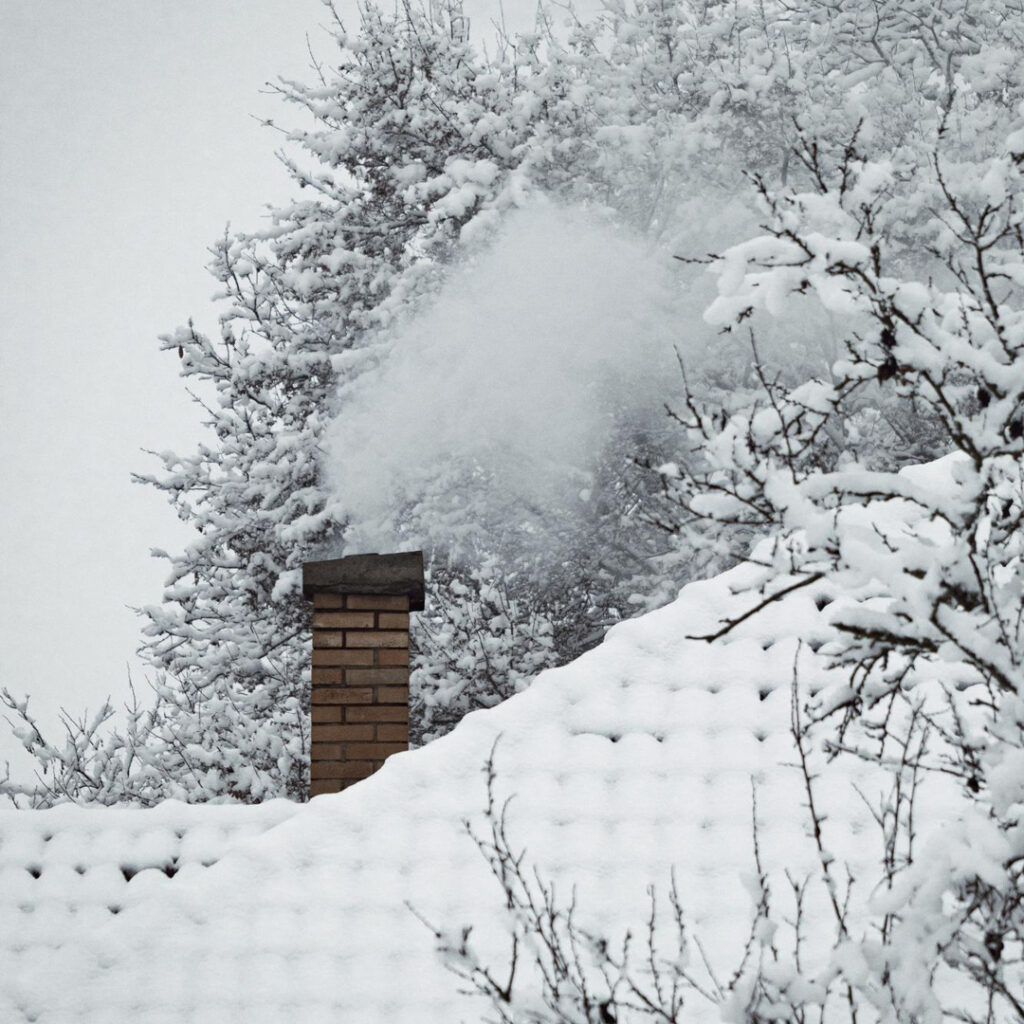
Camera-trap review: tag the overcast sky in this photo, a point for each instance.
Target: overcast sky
(128, 139)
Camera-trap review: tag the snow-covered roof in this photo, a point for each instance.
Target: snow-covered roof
(66, 872)
(637, 759)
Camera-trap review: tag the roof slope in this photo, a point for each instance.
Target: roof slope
(633, 760)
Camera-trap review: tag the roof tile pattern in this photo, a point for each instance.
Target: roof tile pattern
(639, 759)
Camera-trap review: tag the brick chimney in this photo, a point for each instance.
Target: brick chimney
(360, 696)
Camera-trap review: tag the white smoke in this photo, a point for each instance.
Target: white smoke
(522, 366)
(518, 375)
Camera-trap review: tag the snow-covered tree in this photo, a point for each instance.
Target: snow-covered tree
(917, 254)
(406, 147)
(931, 557)
(417, 145)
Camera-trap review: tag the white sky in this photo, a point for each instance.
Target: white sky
(126, 145)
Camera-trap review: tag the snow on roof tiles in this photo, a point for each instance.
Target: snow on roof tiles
(65, 871)
(636, 760)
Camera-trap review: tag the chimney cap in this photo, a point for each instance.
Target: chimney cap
(400, 573)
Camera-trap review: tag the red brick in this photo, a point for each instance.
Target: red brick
(340, 769)
(376, 638)
(376, 676)
(319, 786)
(373, 751)
(343, 620)
(393, 733)
(341, 695)
(337, 733)
(376, 713)
(328, 601)
(327, 713)
(393, 620)
(381, 602)
(392, 695)
(326, 752)
(328, 638)
(328, 656)
(397, 656)
(327, 676)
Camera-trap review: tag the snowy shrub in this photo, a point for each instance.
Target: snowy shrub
(562, 971)
(181, 744)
